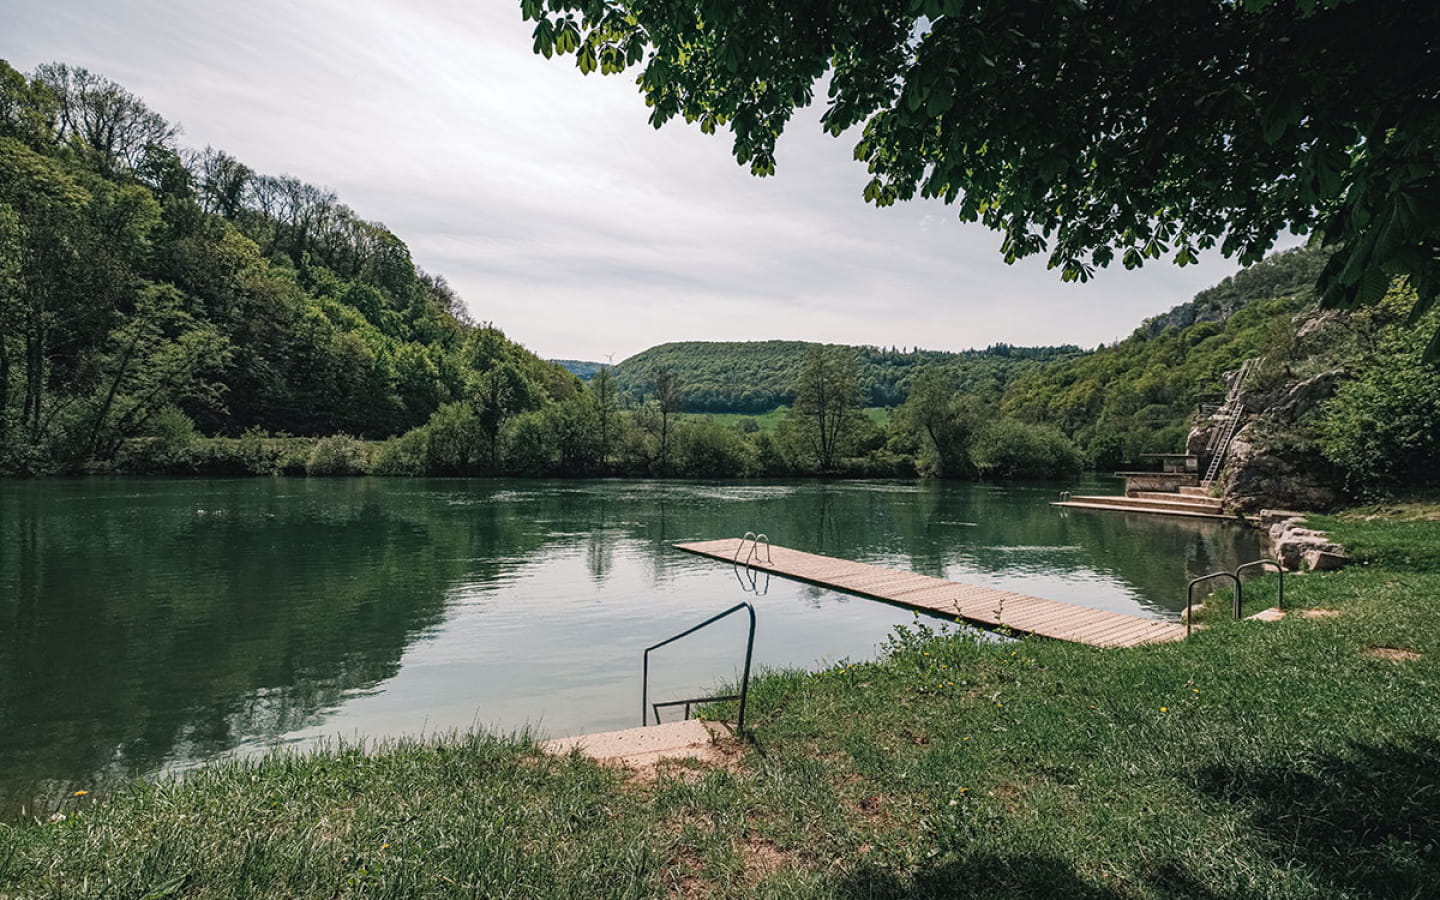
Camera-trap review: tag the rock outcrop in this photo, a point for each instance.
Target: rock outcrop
(1274, 461)
(1261, 473)
(1296, 547)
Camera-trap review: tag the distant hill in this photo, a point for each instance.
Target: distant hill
(1285, 274)
(757, 376)
(579, 367)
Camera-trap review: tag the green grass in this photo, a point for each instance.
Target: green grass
(1256, 760)
(768, 422)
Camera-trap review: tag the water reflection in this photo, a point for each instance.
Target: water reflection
(152, 623)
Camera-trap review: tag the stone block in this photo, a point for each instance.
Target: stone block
(1319, 560)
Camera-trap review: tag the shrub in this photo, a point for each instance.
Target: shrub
(710, 450)
(1382, 428)
(454, 440)
(168, 445)
(256, 454)
(338, 454)
(1010, 448)
(405, 455)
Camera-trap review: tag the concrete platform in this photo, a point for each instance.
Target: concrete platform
(641, 748)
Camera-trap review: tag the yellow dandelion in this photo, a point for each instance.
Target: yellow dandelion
(81, 793)
(1164, 709)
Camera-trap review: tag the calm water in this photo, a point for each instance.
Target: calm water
(147, 625)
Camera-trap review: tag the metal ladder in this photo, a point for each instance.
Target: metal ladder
(1233, 410)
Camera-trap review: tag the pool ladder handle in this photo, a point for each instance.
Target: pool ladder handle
(753, 587)
(1235, 582)
(754, 554)
(744, 694)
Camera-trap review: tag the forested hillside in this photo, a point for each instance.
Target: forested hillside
(1138, 395)
(170, 310)
(757, 376)
(147, 288)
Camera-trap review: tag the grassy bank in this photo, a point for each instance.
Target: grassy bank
(1295, 759)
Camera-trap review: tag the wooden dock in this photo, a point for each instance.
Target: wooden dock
(978, 605)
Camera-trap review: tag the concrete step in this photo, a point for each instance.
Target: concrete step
(641, 748)
(1190, 490)
(1203, 502)
(1126, 504)
(1148, 502)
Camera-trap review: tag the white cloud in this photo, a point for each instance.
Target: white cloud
(549, 202)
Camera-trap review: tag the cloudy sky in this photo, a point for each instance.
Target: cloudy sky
(549, 202)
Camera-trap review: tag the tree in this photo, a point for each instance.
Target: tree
(1382, 427)
(826, 414)
(607, 411)
(667, 398)
(1085, 130)
(102, 118)
(159, 356)
(947, 421)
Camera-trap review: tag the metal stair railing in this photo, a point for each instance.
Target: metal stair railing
(743, 696)
(1235, 587)
(1219, 442)
(1190, 595)
(1279, 570)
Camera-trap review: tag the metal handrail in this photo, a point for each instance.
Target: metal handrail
(1190, 595)
(744, 678)
(689, 702)
(1065, 496)
(1279, 570)
(755, 550)
(749, 536)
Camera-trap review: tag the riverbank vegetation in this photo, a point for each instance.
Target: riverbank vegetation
(951, 767)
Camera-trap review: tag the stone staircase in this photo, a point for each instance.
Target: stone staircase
(1188, 501)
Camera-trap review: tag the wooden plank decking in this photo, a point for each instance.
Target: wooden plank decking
(979, 605)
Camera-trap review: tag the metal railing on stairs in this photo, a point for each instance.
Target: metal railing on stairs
(743, 696)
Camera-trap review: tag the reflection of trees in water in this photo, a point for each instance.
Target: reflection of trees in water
(181, 619)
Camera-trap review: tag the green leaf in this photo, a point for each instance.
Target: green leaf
(1373, 284)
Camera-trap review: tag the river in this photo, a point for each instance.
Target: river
(152, 625)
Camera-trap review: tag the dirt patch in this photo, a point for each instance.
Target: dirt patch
(1320, 613)
(1009, 796)
(1394, 654)
(685, 881)
(870, 806)
(762, 858)
(695, 765)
